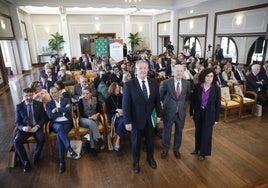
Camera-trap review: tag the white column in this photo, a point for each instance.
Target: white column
(23, 62)
(127, 30)
(154, 36)
(174, 30)
(65, 33)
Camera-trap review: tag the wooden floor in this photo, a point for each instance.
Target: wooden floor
(239, 157)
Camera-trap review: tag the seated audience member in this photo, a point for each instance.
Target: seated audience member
(102, 89)
(42, 71)
(62, 91)
(95, 65)
(59, 112)
(74, 64)
(219, 80)
(196, 76)
(39, 94)
(30, 117)
(64, 77)
(256, 84)
(65, 58)
(51, 76)
(263, 69)
(45, 83)
(228, 75)
(126, 77)
(89, 114)
(170, 68)
(116, 76)
(77, 91)
(240, 74)
(115, 113)
(86, 64)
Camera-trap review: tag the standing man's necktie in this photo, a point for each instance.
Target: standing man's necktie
(178, 95)
(178, 90)
(144, 90)
(30, 115)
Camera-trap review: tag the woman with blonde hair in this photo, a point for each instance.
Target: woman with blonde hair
(115, 113)
(228, 75)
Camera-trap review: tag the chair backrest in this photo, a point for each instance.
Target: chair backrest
(225, 93)
(238, 90)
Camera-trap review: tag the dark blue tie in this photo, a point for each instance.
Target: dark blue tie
(30, 115)
(144, 90)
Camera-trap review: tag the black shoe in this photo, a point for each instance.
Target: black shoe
(201, 158)
(26, 167)
(177, 154)
(62, 168)
(101, 143)
(195, 152)
(72, 153)
(164, 154)
(136, 168)
(157, 133)
(152, 163)
(94, 152)
(35, 159)
(86, 147)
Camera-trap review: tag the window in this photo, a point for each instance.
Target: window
(229, 48)
(188, 42)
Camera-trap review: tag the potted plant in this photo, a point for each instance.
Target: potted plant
(134, 40)
(55, 43)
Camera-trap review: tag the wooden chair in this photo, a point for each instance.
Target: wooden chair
(82, 131)
(230, 101)
(51, 136)
(249, 98)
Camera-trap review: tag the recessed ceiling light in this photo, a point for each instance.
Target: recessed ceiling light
(96, 18)
(191, 11)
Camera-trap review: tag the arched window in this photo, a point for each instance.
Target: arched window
(256, 51)
(188, 41)
(229, 48)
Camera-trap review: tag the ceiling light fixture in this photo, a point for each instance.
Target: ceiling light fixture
(134, 1)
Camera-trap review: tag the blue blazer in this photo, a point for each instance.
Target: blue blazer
(136, 109)
(21, 118)
(63, 102)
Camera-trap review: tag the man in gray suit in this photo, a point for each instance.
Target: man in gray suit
(173, 94)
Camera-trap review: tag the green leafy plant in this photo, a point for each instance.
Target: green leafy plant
(134, 40)
(55, 43)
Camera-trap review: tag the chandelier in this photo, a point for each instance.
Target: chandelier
(134, 1)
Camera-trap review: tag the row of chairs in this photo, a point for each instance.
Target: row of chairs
(237, 97)
(77, 132)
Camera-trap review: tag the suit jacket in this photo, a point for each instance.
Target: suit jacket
(66, 79)
(238, 77)
(251, 83)
(213, 105)
(170, 101)
(49, 84)
(21, 118)
(222, 81)
(137, 111)
(86, 67)
(62, 110)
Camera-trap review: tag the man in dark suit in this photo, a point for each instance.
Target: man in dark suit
(45, 83)
(219, 79)
(255, 83)
(85, 64)
(192, 50)
(219, 53)
(239, 74)
(77, 91)
(59, 112)
(30, 117)
(140, 97)
(173, 94)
